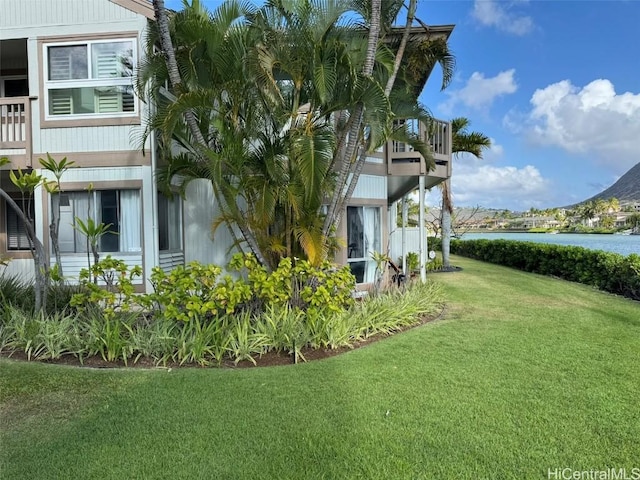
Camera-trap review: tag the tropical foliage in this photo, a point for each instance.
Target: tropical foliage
(277, 107)
(196, 316)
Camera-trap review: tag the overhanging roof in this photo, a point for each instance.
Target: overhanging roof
(142, 7)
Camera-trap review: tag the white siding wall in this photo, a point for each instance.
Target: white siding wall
(96, 174)
(371, 186)
(199, 214)
(375, 160)
(61, 17)
(21, 268)
(72, 264)
(412, 242)
(87, 139)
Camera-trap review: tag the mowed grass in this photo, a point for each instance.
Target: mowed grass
(523, 374)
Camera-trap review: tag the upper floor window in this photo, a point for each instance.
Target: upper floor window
(93, 78)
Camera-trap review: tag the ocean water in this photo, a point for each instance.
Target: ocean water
(622, 244)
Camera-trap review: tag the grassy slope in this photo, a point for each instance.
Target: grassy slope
(526, 373)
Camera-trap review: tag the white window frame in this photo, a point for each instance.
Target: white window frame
(89, 82)
(369, 262)
(95, 206)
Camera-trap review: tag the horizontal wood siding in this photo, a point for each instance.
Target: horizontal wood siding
(199, 213)
(35, 13)
(72, 264)
(412, 242)
(20, 268)
(371, 186)
(170, 260)
(87, 139)
(96, 174)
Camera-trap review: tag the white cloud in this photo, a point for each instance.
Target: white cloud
(495, 151)
(490, 13)
(480, 92)
(489, 155)
(593, 120)
(499, 187)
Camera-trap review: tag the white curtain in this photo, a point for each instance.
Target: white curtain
(80, 201)
(174, 223)
(371, 241)
(130, 221)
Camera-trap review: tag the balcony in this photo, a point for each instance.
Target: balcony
(15, 128)
(404, 165)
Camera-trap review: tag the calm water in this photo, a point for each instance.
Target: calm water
(623, 244)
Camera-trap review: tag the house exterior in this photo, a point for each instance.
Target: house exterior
(66, 88)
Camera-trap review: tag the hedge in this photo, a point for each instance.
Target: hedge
(607, 271)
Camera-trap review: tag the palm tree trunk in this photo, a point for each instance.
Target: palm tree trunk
(403, 45)
(190, 119)
(445, 223)
(336, 206)
(357, 170)
(37, 250)
(54, 229)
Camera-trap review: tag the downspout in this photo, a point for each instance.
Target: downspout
(154, 201)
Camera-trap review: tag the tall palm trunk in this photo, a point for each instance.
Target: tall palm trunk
(445, 222)
(190, 118)
(357, 170)
(334, 213)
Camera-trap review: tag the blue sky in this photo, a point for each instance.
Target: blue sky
(555, 84)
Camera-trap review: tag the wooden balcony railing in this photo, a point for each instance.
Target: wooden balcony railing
(15, 123)
(402, 160)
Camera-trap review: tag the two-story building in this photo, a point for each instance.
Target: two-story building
(67, 69)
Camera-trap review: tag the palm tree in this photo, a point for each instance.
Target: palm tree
(267, 102)
(463, 142)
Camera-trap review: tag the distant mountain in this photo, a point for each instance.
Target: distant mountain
(626, 189)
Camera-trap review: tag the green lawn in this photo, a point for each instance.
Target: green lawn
(525, 373)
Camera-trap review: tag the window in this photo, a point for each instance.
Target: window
(120, 209)
(363, 238)
(169, 222)
(90, 79)
(17, 238)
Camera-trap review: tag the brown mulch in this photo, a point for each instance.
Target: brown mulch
(269, 359)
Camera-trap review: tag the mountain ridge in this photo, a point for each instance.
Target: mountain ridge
(626, 188)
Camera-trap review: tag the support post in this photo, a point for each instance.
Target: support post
(422, 232)
(404, 236)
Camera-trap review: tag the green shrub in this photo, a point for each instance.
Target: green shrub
(38, 335)
(434, 243)
(607, 271)
(107, 333)
(198, 290)
(200, 341)
(109, 284)
(195, 291)
(196, 317)
(16, 292)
